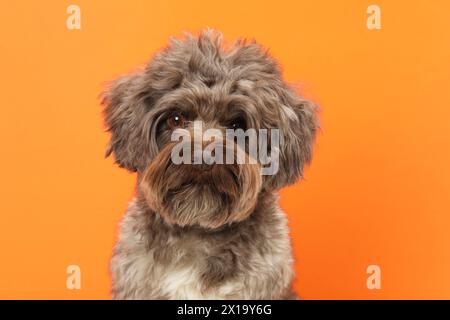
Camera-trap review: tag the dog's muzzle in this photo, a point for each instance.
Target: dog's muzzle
(207, 195)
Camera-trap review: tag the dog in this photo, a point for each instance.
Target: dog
(208, 231)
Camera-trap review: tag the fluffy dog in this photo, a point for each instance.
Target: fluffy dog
(205, 231)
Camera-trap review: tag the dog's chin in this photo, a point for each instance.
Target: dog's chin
(209, 196)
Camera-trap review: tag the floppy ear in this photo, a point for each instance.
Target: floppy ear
(124, 112)
(299, 124)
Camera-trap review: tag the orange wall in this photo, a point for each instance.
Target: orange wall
(378, 191)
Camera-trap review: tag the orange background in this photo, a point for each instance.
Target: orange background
(378, 189)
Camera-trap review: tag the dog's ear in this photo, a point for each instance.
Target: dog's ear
(298, 126)
(280, 108)
(124, 112)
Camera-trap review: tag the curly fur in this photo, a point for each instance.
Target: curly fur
(194, 233)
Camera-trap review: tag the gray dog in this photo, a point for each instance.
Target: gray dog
(205, 231)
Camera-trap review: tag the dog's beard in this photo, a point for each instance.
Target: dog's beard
(205, 195)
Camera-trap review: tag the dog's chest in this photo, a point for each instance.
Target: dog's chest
(157, 264)
(194, 274)
(187, 283)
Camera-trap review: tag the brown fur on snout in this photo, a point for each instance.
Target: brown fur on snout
(207, 195)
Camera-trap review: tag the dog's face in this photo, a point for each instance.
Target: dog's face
(192, 80)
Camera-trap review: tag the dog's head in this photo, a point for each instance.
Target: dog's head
(197, 79)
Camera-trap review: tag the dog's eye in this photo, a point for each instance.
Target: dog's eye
(175, 120)
(238, 123)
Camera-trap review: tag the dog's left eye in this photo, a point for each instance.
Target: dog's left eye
(175, 120)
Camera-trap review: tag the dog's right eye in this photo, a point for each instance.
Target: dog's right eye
(175, 120)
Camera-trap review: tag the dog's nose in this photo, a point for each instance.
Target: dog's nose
(202, 161)
(199, 163)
